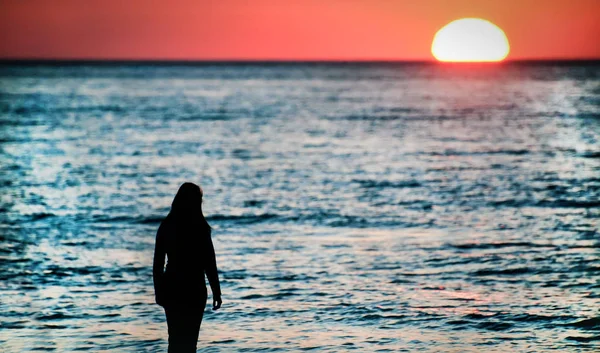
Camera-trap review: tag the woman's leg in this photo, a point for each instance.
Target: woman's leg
(184, 327)
(198, 314)
(176, 323)
(194, 328)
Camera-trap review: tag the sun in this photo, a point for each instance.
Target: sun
(470, 40)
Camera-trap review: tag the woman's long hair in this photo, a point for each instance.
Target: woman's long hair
(187, 217)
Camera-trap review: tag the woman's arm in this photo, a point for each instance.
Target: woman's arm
(213, 274)
(158, 265)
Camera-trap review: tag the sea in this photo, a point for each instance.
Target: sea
(366, 207)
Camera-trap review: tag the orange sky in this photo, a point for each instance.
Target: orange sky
(285, 29)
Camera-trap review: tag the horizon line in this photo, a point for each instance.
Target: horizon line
(158, 61)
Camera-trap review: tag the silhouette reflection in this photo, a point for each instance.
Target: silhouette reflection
(184, 236)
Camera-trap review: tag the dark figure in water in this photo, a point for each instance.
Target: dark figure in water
(184, 236)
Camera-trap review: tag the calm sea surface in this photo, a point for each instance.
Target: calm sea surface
(368, 208)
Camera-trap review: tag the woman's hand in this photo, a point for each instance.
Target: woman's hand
(217, 302)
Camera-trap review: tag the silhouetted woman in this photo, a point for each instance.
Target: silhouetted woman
(184, 236)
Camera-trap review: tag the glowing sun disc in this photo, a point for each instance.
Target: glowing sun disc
(470, 40)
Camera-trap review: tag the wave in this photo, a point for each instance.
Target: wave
(39, 216)
(156, 219)
(504, 321)
(499, 245)
(583, 339)
(59, 271)
(321, 218)
(290, 278)
(55, 316)
(593, 155)
(377, 317)
(494, 325)
(569, 204)
(407, 114)
(15, 325)
(559, 203)
(125, 219)
(387, 184)
(208, 117)
(454, 153)
(31, 109)
(505, 272)
(244, 219)
(586, 324)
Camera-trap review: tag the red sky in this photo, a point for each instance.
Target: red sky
(285, 29)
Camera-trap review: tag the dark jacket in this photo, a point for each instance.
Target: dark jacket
(190, 255)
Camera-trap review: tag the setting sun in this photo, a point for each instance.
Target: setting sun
(470, 40)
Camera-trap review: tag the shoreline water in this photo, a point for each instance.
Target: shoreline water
(375, 207)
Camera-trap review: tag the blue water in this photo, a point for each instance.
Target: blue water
(355, 207)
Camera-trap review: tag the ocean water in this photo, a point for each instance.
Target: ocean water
(355, 207)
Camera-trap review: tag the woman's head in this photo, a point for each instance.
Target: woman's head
(186, 209)
(188, 198)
